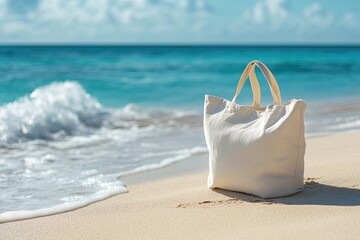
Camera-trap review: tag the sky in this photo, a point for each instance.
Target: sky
(179, 21)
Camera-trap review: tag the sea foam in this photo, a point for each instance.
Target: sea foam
(50, 112)
(63, 207)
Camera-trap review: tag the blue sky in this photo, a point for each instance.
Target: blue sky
(180, 21)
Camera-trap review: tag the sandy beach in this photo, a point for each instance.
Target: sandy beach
(174, 203)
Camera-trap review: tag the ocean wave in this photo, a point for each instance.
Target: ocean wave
(179, 156)
(278, 67)
(233, 67)
(315, 67)
(63, 109)
(134, 116)
(49, 112)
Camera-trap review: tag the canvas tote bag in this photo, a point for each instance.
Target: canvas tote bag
(252, 149)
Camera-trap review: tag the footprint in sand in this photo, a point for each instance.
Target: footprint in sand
(208, 203)
(234, 201)
(231, 201)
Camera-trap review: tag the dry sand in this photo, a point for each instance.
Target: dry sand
(182, 207)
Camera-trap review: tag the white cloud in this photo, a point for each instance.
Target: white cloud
(79, 17)
(349, 20)
(2, 8)
(273, 12)
(126, 21)
(124, 11)
(14, 27)
(267, 17)
(315, 15)
(258, 12)
(277, 8)
(312, 9)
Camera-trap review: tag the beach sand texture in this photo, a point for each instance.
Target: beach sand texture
(180, 206)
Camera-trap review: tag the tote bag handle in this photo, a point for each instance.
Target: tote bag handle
(255, 87)
(274, 87)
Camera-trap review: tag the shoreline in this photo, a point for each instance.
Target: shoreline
(196, 164)
(192, 165)
(174, 202)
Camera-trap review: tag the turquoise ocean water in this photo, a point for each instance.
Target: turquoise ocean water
(75, 119)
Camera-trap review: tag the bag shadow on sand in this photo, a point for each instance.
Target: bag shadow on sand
(314, 193)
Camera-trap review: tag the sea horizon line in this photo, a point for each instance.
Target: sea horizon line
(120, 45)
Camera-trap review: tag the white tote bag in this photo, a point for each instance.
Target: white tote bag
(252, 149)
